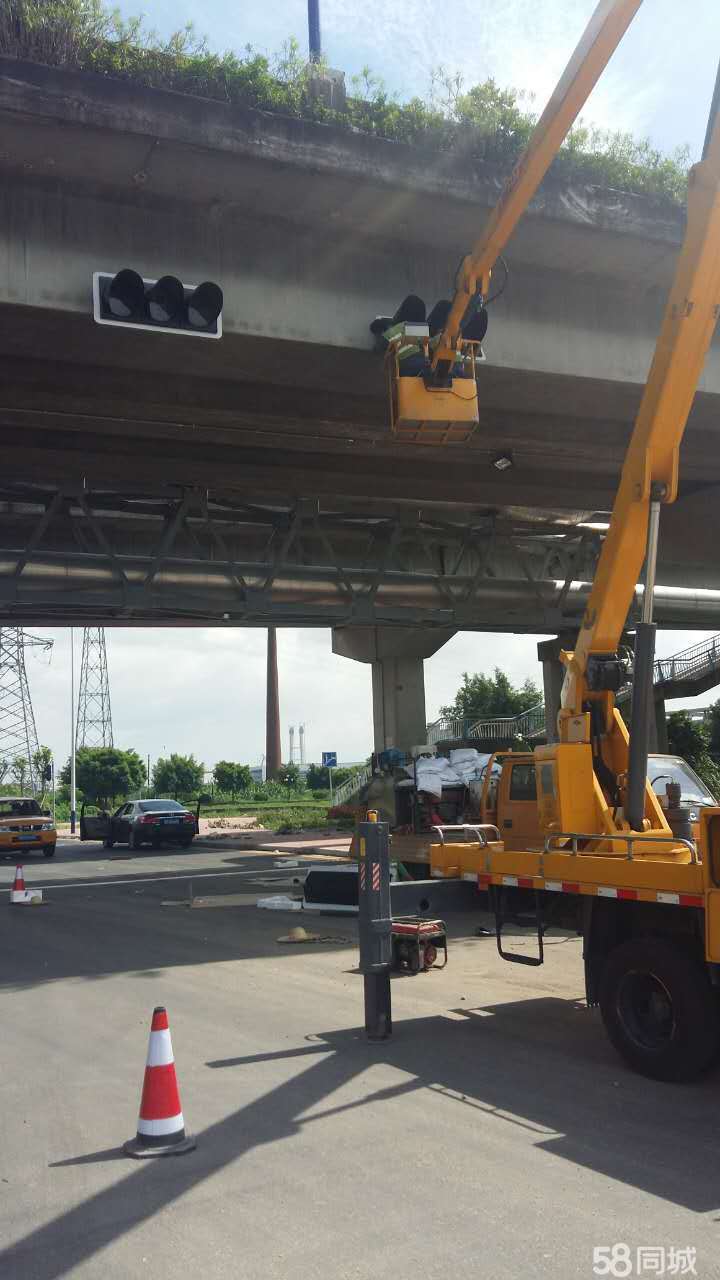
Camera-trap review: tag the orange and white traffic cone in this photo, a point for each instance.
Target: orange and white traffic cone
(161, 1127)
(22, 897)
(18, 893)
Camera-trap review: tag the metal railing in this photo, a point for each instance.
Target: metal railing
(529, 724)
(350, 788)
(699, 660)
(625, 837)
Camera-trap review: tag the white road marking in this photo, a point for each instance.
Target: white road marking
(141, 879)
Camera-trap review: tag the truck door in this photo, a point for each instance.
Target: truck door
(517, 806)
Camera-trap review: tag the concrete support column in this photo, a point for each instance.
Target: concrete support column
(553, 673)
(398, 690)
(396, 655)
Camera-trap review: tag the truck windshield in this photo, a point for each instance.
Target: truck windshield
(664, 769)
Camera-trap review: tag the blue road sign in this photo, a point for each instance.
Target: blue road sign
(329, 759)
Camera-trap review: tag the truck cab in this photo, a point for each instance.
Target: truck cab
(509, 799)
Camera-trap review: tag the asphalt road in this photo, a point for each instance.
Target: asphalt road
(496, 1134)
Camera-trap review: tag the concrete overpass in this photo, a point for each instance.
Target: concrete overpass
(154, 479)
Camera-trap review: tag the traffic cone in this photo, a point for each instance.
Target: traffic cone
(22, 897)
(18, 893)
(161, 1127)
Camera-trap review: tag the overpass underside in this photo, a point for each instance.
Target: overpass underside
(146, 479)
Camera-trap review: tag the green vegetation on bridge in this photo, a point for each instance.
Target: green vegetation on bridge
(483, 122)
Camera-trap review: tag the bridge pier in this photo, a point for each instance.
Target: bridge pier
(396, 655)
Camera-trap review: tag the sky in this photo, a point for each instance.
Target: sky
(658, 84)
(204, 690)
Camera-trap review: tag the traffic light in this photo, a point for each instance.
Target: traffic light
(166, 305)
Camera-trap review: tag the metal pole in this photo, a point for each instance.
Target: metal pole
(52, 766)
(651, 561)
(375, 925)
(331, 786)
(314, 43)
(73, 788)
(642, 689)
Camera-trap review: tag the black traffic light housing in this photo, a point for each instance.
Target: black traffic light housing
(166, 305)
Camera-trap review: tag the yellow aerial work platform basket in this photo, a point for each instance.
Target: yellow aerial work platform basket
(422, 414)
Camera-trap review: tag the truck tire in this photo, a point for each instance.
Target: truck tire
(659, 1009)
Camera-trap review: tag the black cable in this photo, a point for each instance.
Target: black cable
(503, 286)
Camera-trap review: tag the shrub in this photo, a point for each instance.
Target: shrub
(482, 121)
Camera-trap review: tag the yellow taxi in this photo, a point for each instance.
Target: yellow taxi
(24, 825)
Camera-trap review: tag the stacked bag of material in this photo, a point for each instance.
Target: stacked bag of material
(468, 763)
(435, 772)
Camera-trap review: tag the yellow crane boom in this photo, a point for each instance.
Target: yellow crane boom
(602, 36)
(651, 464)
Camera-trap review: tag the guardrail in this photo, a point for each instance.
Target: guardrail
(529, 724)
(698, 660)
(348, 789)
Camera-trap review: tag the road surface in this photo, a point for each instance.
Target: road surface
(496, 1135)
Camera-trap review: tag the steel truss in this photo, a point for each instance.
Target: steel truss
(199, 558)
(94, 716)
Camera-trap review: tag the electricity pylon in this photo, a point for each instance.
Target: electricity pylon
(94, 718)
(18, 735)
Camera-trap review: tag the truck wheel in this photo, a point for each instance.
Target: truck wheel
(659, 1009)
(49, 850)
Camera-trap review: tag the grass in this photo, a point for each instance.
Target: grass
(482, 121)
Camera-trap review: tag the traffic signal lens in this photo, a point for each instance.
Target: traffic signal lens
(126, 294)
(204, 305)
(165, 300)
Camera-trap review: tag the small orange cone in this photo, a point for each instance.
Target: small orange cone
(19, 894)
(161, 1126)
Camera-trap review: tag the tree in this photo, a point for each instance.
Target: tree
(289, 776)
(691, 740)
(105, 775)
(231, 778)
(178, 775)
(20, 771)
(713, 726)
(42, 763)
(483, 697)
(317, 777)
